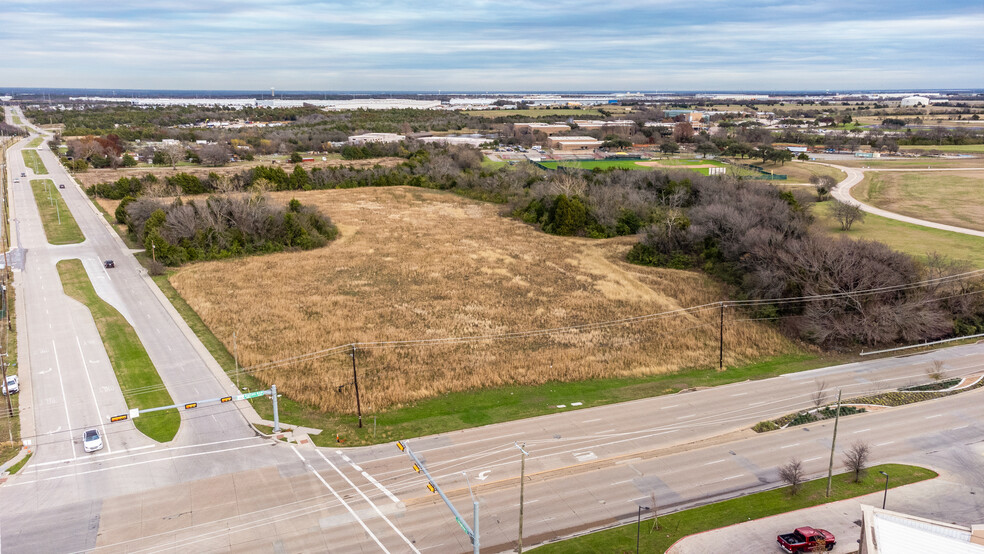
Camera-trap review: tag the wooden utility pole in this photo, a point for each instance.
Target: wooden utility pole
(833, 443)
(355, 378)
(721, 340)
(522, 488)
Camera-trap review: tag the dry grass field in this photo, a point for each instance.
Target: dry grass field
(94, 176)
(951, 197)
(419, 264)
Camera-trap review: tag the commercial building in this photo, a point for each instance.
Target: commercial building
(913, 101)
(574, 143)
(470, 141)
(545, 128)
(375, 137)
(888, 532)
(598, 124)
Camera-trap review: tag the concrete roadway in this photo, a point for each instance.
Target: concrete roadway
(842, 192)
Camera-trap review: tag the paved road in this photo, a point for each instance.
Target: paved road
(842, 192)
(69, 369)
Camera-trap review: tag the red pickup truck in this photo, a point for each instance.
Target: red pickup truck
(806, 539)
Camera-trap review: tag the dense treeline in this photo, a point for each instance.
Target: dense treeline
(222, 226)
(759, 240)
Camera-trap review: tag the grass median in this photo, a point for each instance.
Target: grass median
(35, 142)
(59, 225)
(141, 385)
(33, 161)
(673, 527)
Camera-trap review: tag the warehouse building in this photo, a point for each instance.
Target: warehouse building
(375, 137)
(574, 143)
(913, 101)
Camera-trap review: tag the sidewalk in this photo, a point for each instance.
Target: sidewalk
(938, 499)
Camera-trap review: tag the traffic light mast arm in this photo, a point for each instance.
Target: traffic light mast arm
(430, 480)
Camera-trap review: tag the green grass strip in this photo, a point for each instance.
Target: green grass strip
(33, 160)
(35, 142)
(133, 367)
(11, 425)
(673, 527)
(59, 225)
(17, 467)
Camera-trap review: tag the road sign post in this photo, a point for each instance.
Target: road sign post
(276, 414)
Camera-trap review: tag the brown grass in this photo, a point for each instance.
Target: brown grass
(951, 197)
(419, 264)
(95, 176)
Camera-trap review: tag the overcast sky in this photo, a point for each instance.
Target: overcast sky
(500, 45)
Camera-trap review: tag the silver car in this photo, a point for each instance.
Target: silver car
(91, 441)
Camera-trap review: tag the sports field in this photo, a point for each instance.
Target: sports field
(951, 197)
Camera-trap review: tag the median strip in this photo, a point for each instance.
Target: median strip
(59, 225)
(33, 161)
(138, 378)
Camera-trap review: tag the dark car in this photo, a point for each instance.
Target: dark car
(61, 186)
(108, 264)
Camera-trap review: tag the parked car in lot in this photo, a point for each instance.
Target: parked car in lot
(91, 441)
(109, 264)
(806, 539)
(12, 384)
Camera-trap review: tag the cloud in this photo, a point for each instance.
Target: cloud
(478, 45)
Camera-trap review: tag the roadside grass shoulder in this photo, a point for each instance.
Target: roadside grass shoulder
(675, 526)
(10, 426)
(59, 225)
(915, 240)
(33, 160)
(17, 467)
(138, 378)
(958, 148)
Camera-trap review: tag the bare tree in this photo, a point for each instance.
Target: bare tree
(822, 184)
(847, 214)
(568, 184)
(856, 459)
(820, 395)
(935, 371)
(174, 153)
(792, 474)
(214, 154)
(655, 510)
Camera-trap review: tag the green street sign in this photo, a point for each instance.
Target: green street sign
(462, 524)
(249, 395)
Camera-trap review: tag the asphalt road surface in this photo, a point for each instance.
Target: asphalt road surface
(218, 487)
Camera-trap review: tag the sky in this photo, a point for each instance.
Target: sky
(503, 45)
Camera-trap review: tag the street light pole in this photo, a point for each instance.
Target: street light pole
(885, 497)
(638, 525)
(522, 487)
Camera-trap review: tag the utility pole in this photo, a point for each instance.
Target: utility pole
(235, 357)
(522, 487)
(276, 413)
(355, 378)
(3, 369)
(721, 340)
(833, 443)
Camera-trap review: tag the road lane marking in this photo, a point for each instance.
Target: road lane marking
(758, 404)
(733, 477)
(527, 502)
(95, 401)
(813, 459)
(371, 503)
(380, 486)
(591, 420)
(66, 460)
(340, 499)
(714, 462)
(884, 443)
(740, 394)
(789, 445)
(933, 416)
(861, 431)
(54, 350)
(602, 432)
(668, 407)
(961, 427)
(687, 416)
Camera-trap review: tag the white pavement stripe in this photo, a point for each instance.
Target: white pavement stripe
(714, 462)
(95, 401)
(339, 498)
(885, 443)
(789, 445)
(861, 431)
(380, 486)
(933, 416)
(371, 503)
(109, 468)
(54, 350)
(733, 477)
(813, 459)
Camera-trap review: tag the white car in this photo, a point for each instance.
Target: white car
(12, 384)
(91, 441)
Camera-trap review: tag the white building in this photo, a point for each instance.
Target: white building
(912, 101)
(470, 141)
(375, 137)
(574, 143)
(888, 532)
